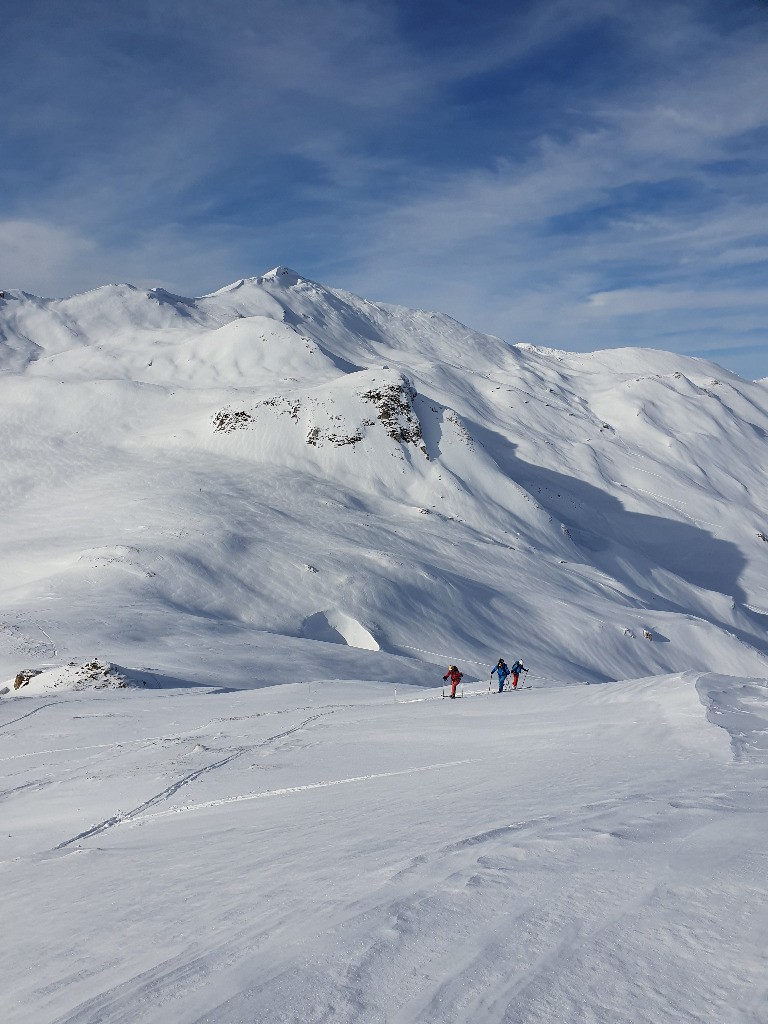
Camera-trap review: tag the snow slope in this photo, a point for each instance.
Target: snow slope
(243, 535)
(320, 852)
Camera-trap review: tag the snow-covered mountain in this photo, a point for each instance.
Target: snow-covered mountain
(246, 476)
(284, 510)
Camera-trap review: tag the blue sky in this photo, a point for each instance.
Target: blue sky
(572, 175)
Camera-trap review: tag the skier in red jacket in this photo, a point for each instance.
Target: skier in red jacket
(455, 677)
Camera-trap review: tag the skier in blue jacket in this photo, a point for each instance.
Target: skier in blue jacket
(502, 671)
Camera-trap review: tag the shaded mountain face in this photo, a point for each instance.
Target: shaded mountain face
(281, 481)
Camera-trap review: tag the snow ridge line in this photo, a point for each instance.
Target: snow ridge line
(288, 790)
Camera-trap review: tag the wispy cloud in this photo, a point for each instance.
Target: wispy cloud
(33, 251)
(666, 189)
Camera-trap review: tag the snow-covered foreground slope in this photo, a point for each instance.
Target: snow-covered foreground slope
(219, 489)
(319, 853)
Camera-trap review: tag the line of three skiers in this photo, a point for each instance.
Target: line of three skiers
(501, 669)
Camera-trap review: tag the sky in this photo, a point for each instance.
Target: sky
(577, 176)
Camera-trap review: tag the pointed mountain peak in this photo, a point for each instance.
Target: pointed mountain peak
(283, 275)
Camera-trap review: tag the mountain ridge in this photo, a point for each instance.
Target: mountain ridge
(453, 493)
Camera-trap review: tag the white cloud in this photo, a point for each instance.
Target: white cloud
(34, 254)
(628, 301)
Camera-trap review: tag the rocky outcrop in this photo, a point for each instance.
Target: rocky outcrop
(336, 418)
(394, 405)
(23, 677)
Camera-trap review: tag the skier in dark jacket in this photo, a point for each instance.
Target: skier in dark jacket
(502, 671)
(455, 677)
(517, 668)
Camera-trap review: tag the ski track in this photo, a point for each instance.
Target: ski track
(124, 816)
(27, 787)
(164, 794)
(289, 790)
(165, 738)
(34, 711)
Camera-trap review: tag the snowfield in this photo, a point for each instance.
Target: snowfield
(318, 852)
(243, 537)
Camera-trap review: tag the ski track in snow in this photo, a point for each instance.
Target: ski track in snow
(125, 816)
(28, 714)
(143, 740)
(165, 794)
(289, 790)
(27, 787)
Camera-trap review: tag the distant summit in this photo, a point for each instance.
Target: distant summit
(283, 275)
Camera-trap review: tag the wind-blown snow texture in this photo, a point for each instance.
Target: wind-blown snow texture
(243, 537)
